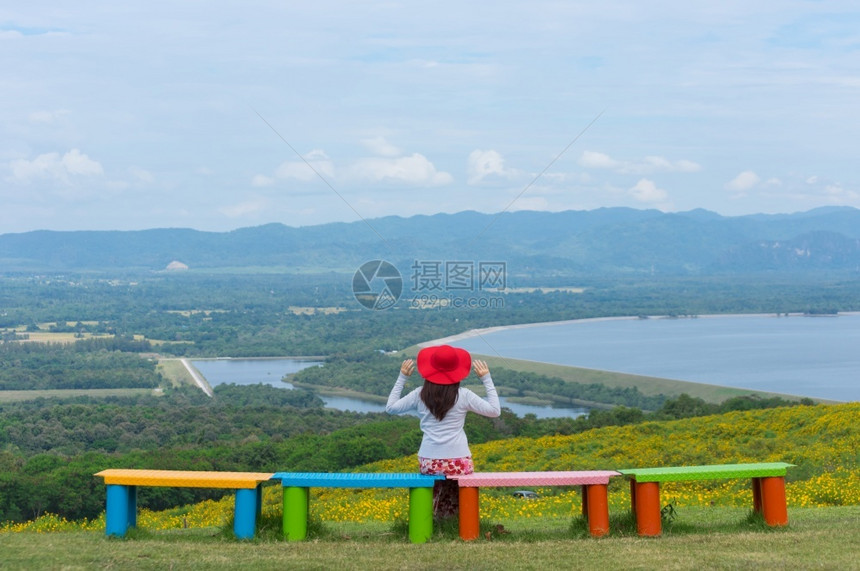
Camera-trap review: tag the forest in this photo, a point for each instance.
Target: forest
(248, 315)
(81, 332)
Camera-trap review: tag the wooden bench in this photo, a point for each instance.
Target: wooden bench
(296, 487)
(595, 503)
(768, 489)
(122, 484)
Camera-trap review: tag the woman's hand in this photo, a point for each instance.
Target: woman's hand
(480, 368)
(407, 367)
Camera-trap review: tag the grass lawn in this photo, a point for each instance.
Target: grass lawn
(175, 372)
(700, 538)
(647, 385)
(13, 396)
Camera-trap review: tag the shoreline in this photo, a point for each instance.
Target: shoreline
(471, 333)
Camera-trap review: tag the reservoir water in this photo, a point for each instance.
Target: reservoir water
(806, 356)
(271, 371)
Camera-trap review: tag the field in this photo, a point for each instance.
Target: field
(13, 396)
(174, 372)
(710, 528)
(822, 538)
(647, 385)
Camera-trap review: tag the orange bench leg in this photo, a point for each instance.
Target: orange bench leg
(648, 509)
(470, 517)
(597, 505)
(773, 500)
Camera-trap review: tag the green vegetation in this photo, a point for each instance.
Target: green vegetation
(710, 528)
(251, 315)
(816, 538)
(49, 449)
(373, 373)
(87, 364)
(15, 396)
(647, 386)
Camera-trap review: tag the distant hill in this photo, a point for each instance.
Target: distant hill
(606, 240)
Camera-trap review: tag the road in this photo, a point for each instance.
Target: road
(201, 382)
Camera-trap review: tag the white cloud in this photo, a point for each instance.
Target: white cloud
(646, 191)
(319, 163)
(75, 162)
(484, 164)
(744, 181)
(52, 165)
(243, 208)
(836, 194)
(142, 175)
(665, 165)
(595, 160)
(262, 180)
(650, 164)
(380, 146)
(47, 116)
(415, 169)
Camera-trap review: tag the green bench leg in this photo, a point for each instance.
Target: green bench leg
(296, 513)
(420, 514)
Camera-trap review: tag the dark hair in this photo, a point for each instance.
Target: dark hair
(439, 398)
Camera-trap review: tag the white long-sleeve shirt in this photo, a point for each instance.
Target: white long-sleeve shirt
(444, 438)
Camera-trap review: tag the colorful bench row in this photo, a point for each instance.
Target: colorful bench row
(768, 484)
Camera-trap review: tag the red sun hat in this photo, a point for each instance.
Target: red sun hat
(444, 365)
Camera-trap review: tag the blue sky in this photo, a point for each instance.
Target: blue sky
(191, 114)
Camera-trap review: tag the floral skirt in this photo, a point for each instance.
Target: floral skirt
(446, 493)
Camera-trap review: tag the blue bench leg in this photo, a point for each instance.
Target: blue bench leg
(121, 509)
(245, 512)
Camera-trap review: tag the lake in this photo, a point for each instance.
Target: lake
(816, 357)
(271, 371)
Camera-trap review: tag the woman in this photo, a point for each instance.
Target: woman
(442, 405)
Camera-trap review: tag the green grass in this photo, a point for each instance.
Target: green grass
(649, 386)
(14, 396)
(700, 538)
(175, 372)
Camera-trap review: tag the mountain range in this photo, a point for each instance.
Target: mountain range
(606, 240)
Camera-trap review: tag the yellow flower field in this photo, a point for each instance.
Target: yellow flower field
(822, 441)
